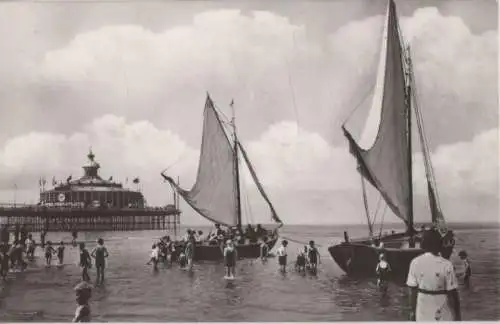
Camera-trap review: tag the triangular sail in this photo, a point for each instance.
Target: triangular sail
(213, 194)
(385, 164)
(274, 215)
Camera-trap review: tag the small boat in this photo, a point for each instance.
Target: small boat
(216, 192)
(384, 161)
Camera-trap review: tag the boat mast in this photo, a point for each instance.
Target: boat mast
(411, 229)
(237, 168)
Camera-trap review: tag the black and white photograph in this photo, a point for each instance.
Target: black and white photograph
(249, 161)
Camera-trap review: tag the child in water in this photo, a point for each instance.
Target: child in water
(264, 249)
(300, 264)
(4, 267)
(85, 262)
(30, 247)
(313, 256)
(230, 256)
(60, 252)
(155, 255)
(383, 269)
(49, 250)
(282, 254)
(83, 293)
(100, 253)
(467, 268)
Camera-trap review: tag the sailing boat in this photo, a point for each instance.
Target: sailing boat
(216, 192)
(387, 165)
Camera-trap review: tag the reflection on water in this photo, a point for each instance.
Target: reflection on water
(260, 292)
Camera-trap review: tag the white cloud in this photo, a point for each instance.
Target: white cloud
(140, 74)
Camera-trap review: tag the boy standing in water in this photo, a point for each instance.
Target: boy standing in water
(466, 267)
(49, 250)
(313, 256)
(264, 249)
(282, 254)
(383, 269)
(83, 293)
(85, 262)
(100, 253)
(300, 264)
(60, 252)
(155, 255)
(230, 256)
(189, 251)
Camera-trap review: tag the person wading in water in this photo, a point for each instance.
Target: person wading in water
(85, 262)
(313, 256)
(230, 256)
(433, 283)
(282, 254)
(100, 253)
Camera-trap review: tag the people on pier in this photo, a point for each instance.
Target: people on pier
(83, 293)
(282, 255)
(85, 262)
(466, 268)
(230, 256)
(382, 270)
(49, 251)
(433, 283)
(300, 264)
(100, 253)
(60, 253)
(313, 256)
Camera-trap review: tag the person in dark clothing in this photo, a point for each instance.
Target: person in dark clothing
(467, 272)
(100, 253)
(230, 256)
(74, 235)
(24, 235)
(17, 231)
(60, 253)
(85, 262)
(5, 235)
(313, 256)
(250, 234)
(43, 234)
(4, 266)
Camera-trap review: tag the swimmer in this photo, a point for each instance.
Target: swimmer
(230, 256)
(100, 253)
(383, 269)
(49, 251)
(60, 252)
(83, 293)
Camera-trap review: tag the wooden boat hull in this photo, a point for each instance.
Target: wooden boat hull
(358, 258)
(205, 252)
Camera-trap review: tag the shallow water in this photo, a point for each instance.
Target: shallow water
(133, 292)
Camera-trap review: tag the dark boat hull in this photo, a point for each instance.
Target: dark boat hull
(359, 258)
(205, 252)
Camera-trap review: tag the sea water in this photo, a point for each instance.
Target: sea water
(260, 292)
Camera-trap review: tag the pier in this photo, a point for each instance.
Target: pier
(64, 219)
(90, 203)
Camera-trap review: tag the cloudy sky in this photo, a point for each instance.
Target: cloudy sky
(130, 80)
